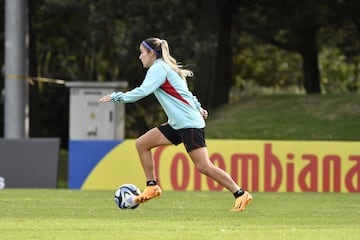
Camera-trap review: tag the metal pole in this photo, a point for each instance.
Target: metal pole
(15, 68)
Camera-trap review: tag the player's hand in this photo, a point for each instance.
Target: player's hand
(104, 99)
(204, 113)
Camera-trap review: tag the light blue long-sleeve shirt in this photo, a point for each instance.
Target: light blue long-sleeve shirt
(180, 105)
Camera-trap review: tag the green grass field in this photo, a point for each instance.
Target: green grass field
(74, 214)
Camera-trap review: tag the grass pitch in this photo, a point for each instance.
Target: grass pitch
(76, 214)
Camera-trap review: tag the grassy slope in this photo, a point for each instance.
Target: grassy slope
(299, 117)
(71, 214)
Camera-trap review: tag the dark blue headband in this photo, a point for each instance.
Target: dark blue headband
(150, 48)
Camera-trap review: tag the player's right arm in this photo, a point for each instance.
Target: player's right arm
(154, 78)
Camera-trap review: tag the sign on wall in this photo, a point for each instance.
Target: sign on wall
(264, 166)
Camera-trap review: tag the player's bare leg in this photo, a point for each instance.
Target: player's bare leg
(144, 144)
(202, 162)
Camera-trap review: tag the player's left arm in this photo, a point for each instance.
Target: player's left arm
(204, 113)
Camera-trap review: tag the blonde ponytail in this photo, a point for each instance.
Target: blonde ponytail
(161, 48)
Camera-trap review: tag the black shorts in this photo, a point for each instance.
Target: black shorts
(192, 138)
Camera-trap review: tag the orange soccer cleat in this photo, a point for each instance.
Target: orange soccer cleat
(150, 192)
(242, 201)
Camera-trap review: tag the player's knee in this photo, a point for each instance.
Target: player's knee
(140, 144)
(203, 168)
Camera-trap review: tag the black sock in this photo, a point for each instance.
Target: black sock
(238, 193)
(151, 183)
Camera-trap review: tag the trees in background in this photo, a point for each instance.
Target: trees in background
(313, 45)
(311, 29)
(289, 25)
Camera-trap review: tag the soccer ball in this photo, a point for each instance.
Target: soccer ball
(124, 196)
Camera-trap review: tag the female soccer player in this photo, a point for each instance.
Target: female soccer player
(167, 80)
